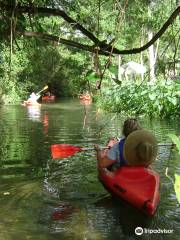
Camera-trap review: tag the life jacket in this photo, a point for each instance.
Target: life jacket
(121, 161)
(121, 151)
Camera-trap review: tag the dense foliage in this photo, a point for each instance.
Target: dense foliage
(176, 141)
(38, 48)
(155, 99)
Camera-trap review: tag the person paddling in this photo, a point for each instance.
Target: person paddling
(115, 156)
(32, 99)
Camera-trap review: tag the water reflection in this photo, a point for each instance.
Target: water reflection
(63, 212)
(63, 199)
(124, 215)
(45, 122)
(34, 113)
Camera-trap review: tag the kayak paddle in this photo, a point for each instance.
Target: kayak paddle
(67, 150)
(44, 88)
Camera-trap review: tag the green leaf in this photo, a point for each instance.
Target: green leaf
(173, 100)
(178, 81)
(143, 92)
(177, 186)
(92, 77)
(152, 96)
(113, 69)
(175, 140)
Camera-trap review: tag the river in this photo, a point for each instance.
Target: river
(46, 199)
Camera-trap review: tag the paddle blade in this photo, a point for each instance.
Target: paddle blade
(46, 87)
(64, 150)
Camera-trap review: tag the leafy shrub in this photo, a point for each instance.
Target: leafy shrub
(160, 99)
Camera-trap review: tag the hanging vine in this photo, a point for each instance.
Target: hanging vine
(119, 21)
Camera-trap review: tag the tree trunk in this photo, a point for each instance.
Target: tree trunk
(151, 53)
(142, 62)
(119, 65)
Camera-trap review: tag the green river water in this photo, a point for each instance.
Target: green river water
(46, 199)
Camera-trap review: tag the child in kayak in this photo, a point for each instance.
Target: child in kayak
(115, 157)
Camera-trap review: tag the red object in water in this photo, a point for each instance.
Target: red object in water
(64, 150)
(63, 212)
(48, 98)
(56, 215)
(139, 186)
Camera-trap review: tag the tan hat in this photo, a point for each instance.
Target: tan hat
(140, 148)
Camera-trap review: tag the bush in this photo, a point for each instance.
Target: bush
(153, 99)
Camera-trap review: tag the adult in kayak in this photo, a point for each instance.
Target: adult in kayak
(86, 96)
(32, 100)
(113, 158)
(133, 180)
(48, 97)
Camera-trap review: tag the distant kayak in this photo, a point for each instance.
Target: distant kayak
(139, 186)
(85, 97)
(48, 98)
(35, 104)
(85, 102)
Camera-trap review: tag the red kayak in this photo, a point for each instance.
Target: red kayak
(85, 97)
(139, 186)
(48, 98)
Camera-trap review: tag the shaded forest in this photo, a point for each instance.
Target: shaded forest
(75, 46)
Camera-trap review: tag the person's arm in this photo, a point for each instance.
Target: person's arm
(102, 159)
(37, 97)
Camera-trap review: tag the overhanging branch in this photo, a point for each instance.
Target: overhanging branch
(58, 40)
(103, 47)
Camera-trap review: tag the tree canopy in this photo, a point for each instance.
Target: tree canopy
(22, 15)
(72, 45)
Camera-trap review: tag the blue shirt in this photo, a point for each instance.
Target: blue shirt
(116, 153)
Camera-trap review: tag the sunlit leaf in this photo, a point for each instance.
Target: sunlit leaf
(177, 186)
(172, 100)
(143, 92)
(175, 140)
(152, 96)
